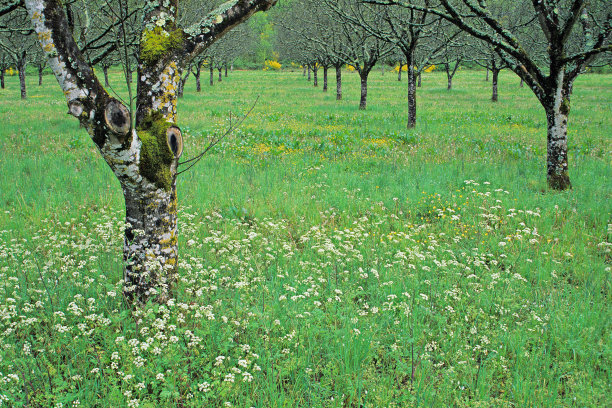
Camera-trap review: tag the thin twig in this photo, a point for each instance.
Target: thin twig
(215, 141)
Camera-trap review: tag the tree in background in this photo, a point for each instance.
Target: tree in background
(142, 146)
(568, 34)
(361, 48)
(18, 43)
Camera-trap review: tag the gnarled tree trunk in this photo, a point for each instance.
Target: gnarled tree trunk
(2, 78)
(142, 149)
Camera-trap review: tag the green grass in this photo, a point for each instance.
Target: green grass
(332, 257)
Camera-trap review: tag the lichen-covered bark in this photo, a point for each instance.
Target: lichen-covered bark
(412, 104)
(557, 165)
(142, 151)
(150, 247)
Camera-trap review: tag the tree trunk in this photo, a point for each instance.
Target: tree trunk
(142, 150)
(22, 80)
(494, 83)
(419, 77)
(399, 72)
(382, 69)
(150, 249)
(304, 71)
(212, 76)
(363, 103)
(315, 71)
(557, 166)
(338, 82)
(449, 78)
(309, 77)
(105, 70)
(412, 106)
(232, 67)
(41, 67)
(225, 66)
(181, 88)
(197, 79)
(487, 77)
(325, 68)
(522, 82)
(220, 74)
(2, 78)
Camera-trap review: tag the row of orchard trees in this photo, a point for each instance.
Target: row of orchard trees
(547, 43)
(108, 33)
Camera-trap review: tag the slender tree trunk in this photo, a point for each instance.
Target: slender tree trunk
(225, 70)
(315, 71)
(232, 67)
(304, 70)
(197, 78)
(557, 166)
(495, 73)
(487, 77)
(212, 76)
(449, 79)
(522, 83)
(22, 80)
(220, 74)
(338, 82)
(412, 105)
(363, 102)
(309, 77)
(2, 78)
(399, 72)
(419, 78)
(105, 70)
(41, 67)
(325, 68)
(181, 87)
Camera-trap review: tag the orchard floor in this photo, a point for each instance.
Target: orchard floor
(329, 256)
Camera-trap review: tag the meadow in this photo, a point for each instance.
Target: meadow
(328, 256)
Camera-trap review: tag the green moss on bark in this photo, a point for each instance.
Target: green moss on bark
(155, 156)
(157, 43)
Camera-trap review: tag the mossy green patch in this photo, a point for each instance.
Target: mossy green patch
(158, 42)
(155, 156)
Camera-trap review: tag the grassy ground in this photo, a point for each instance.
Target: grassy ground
(329, 257)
